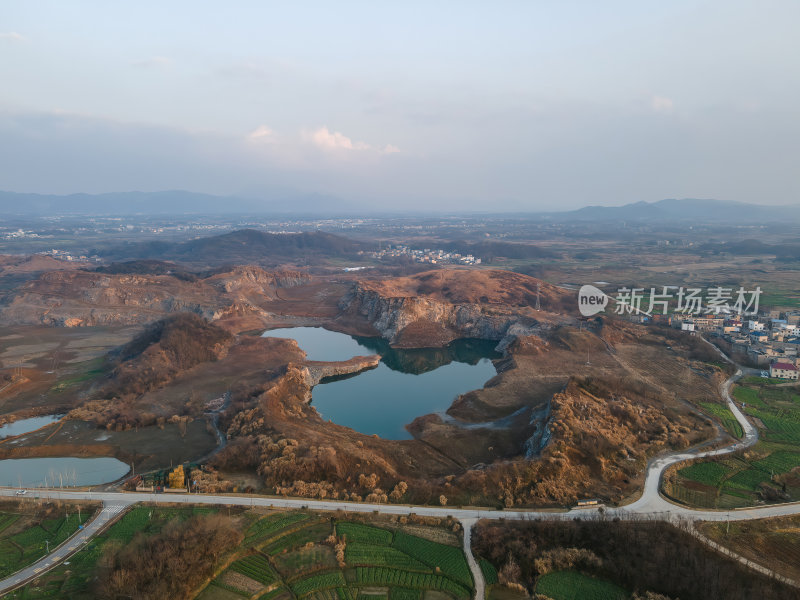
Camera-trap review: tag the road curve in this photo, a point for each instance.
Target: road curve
(651, 499)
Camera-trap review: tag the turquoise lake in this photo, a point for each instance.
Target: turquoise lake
(407, 383)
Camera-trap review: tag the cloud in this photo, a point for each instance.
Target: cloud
(662, 104)
(152, 62)
(327, 140)
(261, 134)
(12, 36)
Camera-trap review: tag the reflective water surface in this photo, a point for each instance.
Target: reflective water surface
(406, 384)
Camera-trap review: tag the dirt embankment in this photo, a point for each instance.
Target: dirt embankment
(318, 371)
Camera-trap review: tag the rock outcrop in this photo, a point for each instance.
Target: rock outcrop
(314, 372)
(411, 312)
(89, 298)
(433, 320)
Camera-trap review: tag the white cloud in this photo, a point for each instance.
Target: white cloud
(152, 62)
(327, 140)
(261, 134)
(12, 36)
(662, 104)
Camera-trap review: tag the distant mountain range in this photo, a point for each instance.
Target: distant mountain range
(686, 209)
(182, 202)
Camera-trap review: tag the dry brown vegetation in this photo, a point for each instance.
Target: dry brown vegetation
(599, 441)
(166, 349)
(773, 543)
(603, 417)
(603, 425)
(641, 556)
(504, 289)
(170, 564)
(163, 350)
(89, 298)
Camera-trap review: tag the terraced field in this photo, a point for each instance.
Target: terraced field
(768, 472)
(286, 555)
(293, 556)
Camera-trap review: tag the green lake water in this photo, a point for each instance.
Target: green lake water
(407, 383)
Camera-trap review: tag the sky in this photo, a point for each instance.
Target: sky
(527, 105)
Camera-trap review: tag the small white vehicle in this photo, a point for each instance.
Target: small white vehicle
(21, 492)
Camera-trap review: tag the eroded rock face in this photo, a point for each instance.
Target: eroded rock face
(251, 279)
(408, 321)
(85, 298)
(79, 298)
(435, 307)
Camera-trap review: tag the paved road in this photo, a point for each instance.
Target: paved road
(652, 501)
(650, 505)
(477, 575)
(76, 542)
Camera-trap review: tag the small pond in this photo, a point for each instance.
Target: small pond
(26, 425)
(407, 383)
(60, 472)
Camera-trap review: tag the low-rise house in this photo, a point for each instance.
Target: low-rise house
(784, 370)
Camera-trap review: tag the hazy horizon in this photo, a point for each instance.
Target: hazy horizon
(517, 107)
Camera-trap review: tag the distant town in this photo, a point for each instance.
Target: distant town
(426, 255)
(770, 340)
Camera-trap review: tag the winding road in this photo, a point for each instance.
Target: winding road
(651, 505)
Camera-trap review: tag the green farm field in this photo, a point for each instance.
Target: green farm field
(571, 585)
(767, 472)
(26, 531)
(289, 555)
(304, 555)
